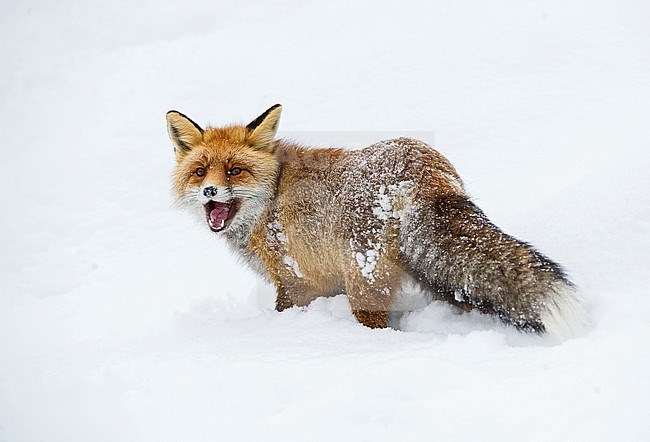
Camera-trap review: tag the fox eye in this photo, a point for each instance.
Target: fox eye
(234, 171)
(200, 171)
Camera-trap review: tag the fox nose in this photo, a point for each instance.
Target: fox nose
(209, 191)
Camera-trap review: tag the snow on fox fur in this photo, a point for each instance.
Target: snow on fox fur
(319, 222)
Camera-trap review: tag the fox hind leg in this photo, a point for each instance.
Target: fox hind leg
(370, 299)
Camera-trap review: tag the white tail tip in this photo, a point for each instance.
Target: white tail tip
(565, 316)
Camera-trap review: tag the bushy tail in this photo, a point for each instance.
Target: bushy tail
(454, 249)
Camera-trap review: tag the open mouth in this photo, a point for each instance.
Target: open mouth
(220, 215)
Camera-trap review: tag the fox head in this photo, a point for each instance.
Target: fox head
(226, 175)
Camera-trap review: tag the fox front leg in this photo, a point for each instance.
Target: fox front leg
(282, 299)
(289, 294)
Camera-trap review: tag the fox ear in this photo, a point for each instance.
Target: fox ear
(184, 133)
(262, 129)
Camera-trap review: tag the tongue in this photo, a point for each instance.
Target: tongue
(219, 214)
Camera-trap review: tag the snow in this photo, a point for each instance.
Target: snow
(368, 261)
(293, 265)
(122, 318)
(276, 232)
(384, 209)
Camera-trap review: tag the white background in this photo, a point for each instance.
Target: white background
(123, 319)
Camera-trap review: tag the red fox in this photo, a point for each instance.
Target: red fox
(324, 221)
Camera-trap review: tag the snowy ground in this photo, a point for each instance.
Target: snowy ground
(122, 319)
